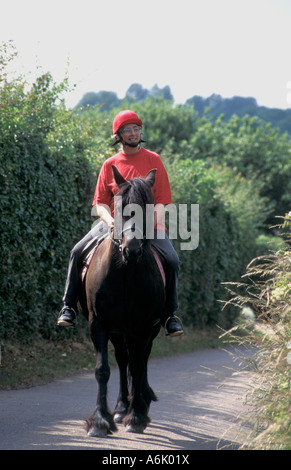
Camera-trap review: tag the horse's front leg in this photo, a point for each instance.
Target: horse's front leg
(121, 356)
(137, 417)
(100, 423)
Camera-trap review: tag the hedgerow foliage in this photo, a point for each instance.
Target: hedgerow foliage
(228, 229)
(265, 289)
(46, 189)
(50, 157)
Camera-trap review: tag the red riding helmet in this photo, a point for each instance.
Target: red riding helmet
(125, 117)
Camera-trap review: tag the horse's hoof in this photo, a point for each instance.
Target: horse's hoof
(118, 417)
(135, 429)
(97, 433)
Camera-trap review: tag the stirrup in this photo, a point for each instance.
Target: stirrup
(66, 321)
(177, 332)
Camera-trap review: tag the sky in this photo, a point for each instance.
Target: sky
(196, 47)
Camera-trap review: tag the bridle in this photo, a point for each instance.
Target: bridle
(118, 242)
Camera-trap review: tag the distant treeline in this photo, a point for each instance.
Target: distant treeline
(214, 105)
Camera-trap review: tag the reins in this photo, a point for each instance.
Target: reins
(115, 242)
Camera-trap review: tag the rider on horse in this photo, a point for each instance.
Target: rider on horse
(132, 161)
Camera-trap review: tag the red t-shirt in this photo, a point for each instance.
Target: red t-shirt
(131, 166)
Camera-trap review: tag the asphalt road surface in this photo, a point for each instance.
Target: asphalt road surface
(201, 400)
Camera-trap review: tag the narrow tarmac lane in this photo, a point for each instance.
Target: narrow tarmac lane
(200, 401)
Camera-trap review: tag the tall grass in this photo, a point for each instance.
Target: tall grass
(265, 299)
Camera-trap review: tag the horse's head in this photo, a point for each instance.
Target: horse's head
(135, 196)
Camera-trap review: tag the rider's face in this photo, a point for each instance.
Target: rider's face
(130, 133)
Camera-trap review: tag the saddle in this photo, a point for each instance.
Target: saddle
(93, 245)
(87, 256)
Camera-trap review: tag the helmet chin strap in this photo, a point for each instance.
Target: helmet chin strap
(129, 144)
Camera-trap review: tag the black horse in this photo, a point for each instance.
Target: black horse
(124, 298)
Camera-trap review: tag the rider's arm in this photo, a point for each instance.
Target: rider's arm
(104, 212)
(159, 215)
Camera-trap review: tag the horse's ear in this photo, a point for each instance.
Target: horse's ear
(117, 176)
(151, 177)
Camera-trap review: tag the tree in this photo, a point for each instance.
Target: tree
(136, 92)
(164, 92)
(105, 99)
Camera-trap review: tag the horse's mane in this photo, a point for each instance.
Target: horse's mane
(136, 191)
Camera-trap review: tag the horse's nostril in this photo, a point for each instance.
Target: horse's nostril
(131, 254)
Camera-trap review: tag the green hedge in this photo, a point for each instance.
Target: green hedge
(230, 215)
(46, 191)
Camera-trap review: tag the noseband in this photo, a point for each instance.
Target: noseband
(118, 242)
